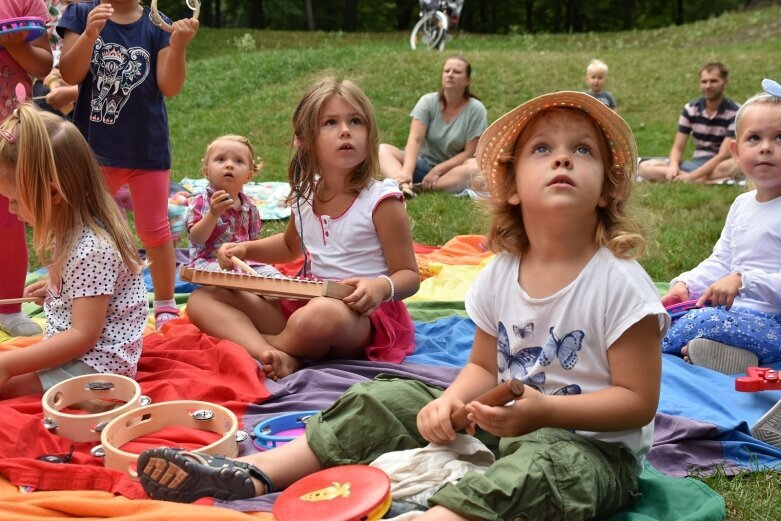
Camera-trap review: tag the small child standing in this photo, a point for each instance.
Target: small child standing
(742, 277)
(349, 226)
(124, 66)
(596, 76)
(223, 213)
(559, 169)
(95, 300)
(19, 59)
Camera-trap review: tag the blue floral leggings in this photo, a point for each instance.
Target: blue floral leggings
(756, 331)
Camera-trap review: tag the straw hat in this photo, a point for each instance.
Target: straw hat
(500, 137)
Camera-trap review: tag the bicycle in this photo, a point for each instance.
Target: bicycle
(436, 17)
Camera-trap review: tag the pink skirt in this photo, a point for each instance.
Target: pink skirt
(393, 332)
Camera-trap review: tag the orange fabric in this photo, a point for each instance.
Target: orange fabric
(461, 250)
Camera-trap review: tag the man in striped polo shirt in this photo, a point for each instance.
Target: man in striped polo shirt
(710, 120)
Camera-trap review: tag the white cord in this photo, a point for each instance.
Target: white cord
(392, 287)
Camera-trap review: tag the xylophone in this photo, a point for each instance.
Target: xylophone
(758, 379)
(35, 27)
(271, 286)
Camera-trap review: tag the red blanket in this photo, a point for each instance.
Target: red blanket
(181, 364)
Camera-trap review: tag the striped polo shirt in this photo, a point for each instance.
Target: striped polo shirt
(708, 131)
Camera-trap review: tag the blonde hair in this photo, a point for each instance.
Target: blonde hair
(255, 162)
(59, 183)
(596, 65)
(304, 165)
(761, 98)
(617, 229)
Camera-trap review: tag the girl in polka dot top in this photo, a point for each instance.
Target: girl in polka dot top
(94, 298)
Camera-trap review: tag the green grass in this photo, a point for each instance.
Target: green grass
(248, 82)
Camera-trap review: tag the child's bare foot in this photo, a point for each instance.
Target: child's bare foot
(278, 364)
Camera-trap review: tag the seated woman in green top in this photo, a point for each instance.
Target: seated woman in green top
(442, 137)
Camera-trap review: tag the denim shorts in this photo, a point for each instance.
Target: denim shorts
(51, 377)
(693, 164)
(422, 167)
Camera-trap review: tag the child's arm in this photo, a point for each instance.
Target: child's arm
(393, 230)
(477, 376)
(630, 402)
(171, 64)
(204, 224)
(34, 57)
(56, 350)
(77, 48)
(280, 247)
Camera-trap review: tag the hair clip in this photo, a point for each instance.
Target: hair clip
(21, 95)
(772, 87)
(7, 136)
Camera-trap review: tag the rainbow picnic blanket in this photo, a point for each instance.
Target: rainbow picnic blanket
(702, 423)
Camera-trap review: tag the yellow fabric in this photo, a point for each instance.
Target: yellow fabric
(448, 283)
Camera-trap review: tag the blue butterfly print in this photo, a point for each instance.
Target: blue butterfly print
(565, 349)
(568, 389)
(516, 365)
(523, 332)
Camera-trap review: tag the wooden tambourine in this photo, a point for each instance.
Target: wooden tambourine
(158, 21)
(35, 27)
(345, 493)
(92, 387)
(183, 413)
(281, 429)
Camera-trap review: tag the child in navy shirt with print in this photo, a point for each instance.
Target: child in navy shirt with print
(124, 66)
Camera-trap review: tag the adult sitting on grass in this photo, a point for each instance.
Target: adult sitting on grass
(442, 136)
(711, 122)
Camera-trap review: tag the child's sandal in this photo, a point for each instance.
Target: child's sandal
(204, 476)
(165, 313)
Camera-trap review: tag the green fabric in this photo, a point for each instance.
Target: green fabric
(666, 498)
(431, 311)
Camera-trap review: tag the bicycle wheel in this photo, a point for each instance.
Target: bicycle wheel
(430, 31)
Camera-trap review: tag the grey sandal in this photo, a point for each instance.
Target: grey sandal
(206, 476)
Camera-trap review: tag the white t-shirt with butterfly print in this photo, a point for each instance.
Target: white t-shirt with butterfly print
(558, 344)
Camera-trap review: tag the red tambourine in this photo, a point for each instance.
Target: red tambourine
(345, 493)
(35, 27)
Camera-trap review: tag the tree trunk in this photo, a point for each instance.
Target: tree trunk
(310, 16)
(350, 22)
(529, 15)
(678, 12)
(257, 17)
(218, 13)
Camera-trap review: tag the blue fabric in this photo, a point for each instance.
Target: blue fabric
(745, 328)
(120, 109)
(422, 167)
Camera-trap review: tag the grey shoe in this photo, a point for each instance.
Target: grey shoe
(18, 324)
(768, 427)
(720, 357)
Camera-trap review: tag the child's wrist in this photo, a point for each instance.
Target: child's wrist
(392, 295)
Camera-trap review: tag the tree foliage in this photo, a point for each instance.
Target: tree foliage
(480, 16)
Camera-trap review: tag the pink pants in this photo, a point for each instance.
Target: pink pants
(149, 193)
(13, 257)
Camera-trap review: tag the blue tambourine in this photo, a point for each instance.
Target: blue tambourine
(281, 429)
(35, 27)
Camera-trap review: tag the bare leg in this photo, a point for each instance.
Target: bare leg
(391, 159)
(458, 178)
(21, 385)
(653, 170)
(324, 328)
(727, 169)
(238, 316)
(162, 268)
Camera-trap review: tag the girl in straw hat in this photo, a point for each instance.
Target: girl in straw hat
(563, 307)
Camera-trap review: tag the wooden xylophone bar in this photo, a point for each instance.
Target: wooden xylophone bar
(271, 286)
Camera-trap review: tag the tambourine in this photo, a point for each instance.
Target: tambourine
(91, 388)
(281, 429)
(344, 493)
(183, 413)
(158, 21)
(35, 27)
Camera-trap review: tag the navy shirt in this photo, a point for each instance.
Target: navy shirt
(120, 109)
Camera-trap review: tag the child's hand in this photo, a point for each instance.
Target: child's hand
(678, 292)
(228, 250)
(37, 289)
(434, 420)
(13, 40)
(96, 20)
(368, 294)
(526, 415)
(723, 291)
(184, 31)
(219, 202)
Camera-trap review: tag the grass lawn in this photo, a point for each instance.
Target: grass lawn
(248, 82)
